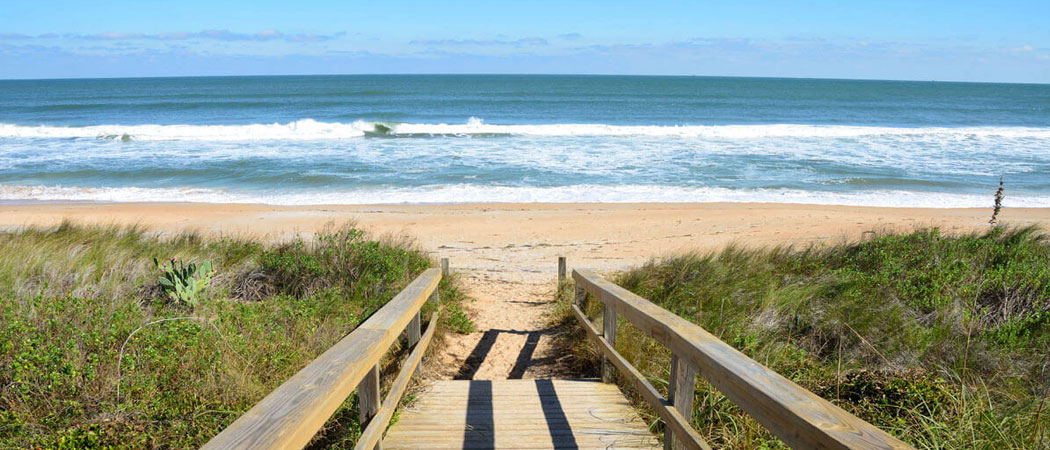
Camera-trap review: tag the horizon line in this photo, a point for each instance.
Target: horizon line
(903, 80)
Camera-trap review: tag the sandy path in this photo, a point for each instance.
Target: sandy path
(512, 340)
(507, 253)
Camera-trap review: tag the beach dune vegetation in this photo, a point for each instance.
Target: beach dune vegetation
(93, 354)
(939, 339)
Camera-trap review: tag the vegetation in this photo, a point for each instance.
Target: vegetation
(941, 340)
(184, 284)
(95, 354)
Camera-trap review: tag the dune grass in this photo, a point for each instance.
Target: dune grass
(938, 339)
(71, 298)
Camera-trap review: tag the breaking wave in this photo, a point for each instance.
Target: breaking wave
(309, 129)
(471, 193)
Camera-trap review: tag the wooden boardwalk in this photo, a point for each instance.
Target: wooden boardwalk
(520, 414)
(567, 413)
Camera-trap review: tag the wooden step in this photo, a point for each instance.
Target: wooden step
(520, 414)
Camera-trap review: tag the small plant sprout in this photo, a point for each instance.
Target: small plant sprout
(185, 284)
(998, 204)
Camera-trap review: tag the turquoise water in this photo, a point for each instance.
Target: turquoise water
(442, 139)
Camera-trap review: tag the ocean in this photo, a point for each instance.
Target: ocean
(509, 138)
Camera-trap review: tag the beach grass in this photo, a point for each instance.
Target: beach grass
(94, 355)
(939, 339)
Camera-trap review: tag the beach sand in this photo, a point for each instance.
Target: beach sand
(507, 253)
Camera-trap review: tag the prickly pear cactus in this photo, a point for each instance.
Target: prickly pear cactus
(184, 284)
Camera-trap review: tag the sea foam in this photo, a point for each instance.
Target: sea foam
(309, 129)
(471, 193)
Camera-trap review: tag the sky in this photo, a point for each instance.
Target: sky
(1003, 41)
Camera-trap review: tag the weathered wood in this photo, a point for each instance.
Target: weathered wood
(494, 414)
(290, 415)
(680, 391)
(444, 267)
(559, 383)
(580, 297)
(368, 399)
(673, 419)
(371, 435)
(561, 270)
(413, 329)
(609, 333)
(525, 439)
(434, 297)
(798, 417)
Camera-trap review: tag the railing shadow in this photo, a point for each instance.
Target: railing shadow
(481, 424)
(481, 427)
(480, 431)
(477, 356)
(557, 423)
(484, 346)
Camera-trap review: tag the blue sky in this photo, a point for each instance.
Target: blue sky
(922, 40)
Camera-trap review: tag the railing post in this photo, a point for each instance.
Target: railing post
(561, 270)
(680, 394)
(414, 329)
(412, 333)
(368, 400)
(580, 297)
(416, 326)
(609, 332)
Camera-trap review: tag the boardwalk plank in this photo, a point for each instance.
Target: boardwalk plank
(520, 414)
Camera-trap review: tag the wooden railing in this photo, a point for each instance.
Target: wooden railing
(292, 414)
(798, 417)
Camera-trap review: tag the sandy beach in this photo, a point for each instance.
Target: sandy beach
(507, 253)
(526, 238)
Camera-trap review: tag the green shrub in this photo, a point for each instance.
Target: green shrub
(458, 320)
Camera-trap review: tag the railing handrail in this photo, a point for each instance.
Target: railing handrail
(293, 413)
(797, 416)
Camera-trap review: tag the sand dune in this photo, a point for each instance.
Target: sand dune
(507, 253)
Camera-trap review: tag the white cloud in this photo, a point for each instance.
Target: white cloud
(522, 42)
(217, 35)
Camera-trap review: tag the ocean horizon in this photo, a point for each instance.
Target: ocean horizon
(378, 139)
